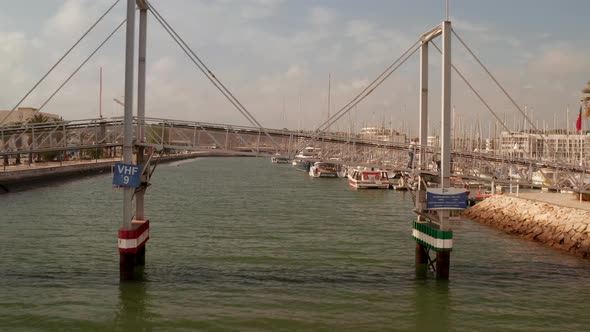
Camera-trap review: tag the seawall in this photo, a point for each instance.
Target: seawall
(556, 226)
(37, 176)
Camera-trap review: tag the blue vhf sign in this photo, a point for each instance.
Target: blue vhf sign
(126, 175)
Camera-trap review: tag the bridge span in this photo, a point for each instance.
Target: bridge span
(180, 135)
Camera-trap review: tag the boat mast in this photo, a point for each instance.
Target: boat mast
(329, 92)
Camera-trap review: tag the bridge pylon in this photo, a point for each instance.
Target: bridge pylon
(432, 229)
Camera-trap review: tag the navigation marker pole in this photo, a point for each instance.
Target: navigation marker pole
(134, 232)
(140, 193)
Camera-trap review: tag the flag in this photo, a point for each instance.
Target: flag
(579, 120)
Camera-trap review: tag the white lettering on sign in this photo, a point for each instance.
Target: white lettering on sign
(129, 170)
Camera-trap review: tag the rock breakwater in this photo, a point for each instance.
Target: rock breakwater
(556, 226)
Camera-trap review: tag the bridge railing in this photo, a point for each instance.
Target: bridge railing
(60, 135)
(182, 135)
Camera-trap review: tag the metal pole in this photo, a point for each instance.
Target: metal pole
(446, 117)
(446, 106)
(421, 201)
(443, 257)
(128, 118)
(139, 200)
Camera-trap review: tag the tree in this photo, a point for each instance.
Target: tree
(47, 156)
(38, 118)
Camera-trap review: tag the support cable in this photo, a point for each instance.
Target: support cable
(474, 91)
(502, 88)
(372, 86)
(196, 62)
(59, 61)
(81, 65)
(207, 72)
(364, 93)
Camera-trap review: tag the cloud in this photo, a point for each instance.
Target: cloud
(12, 48)
(256, 12)
(69, 18)
(294, 72)
(464, 25)
(360, 30)
(485, 33)
(269, 52)
(322, 16)
(561, 60)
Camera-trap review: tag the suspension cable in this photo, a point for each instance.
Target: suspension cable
(474, 91)
(370, 86)
(361, 98)
(79, 67)
(503, 90)
(364, 93)
(204, 68)
(207, 72)
(195, 62)
(59, 61)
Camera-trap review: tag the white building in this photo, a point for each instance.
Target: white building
(551, 146)
(382, 134)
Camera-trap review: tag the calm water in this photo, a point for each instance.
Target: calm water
(241, 244)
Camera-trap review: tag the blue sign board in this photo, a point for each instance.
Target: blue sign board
(127, 175)
(446, 198)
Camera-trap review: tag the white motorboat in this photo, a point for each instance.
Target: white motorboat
(323, 170)
(368, 178)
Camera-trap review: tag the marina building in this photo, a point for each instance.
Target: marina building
(550, 146)
(381, 133)
(24, 114)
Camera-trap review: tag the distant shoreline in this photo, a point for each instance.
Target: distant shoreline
(32, 177)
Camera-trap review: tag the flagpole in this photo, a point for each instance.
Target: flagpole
(581, 133)
(567, 132)
(100, 95)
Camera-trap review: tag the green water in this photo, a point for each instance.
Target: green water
(240, 244)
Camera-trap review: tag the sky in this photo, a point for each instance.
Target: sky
(278, 57)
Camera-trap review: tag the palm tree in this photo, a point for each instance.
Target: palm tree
(40, 118)
(37, 118)
(586, 98)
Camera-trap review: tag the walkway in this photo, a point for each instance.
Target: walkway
(566, 200)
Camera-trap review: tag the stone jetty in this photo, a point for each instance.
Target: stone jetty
(560, 227)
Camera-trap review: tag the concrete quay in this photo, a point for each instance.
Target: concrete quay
(22, 177)
(554, 219)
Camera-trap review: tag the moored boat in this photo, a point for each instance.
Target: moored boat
(302, 164)
(368, 178)
(305, 159)
(323, 170)
(278, 159)
(404, 181)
